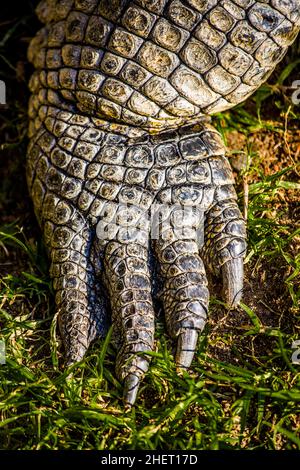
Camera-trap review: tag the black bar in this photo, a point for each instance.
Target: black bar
(149, 458)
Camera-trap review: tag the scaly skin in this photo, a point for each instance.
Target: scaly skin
(118, 131)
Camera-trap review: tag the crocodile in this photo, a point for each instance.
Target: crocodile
(130, 182)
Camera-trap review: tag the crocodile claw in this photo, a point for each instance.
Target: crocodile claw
(131, 386)
(233, 274)
(186, 347)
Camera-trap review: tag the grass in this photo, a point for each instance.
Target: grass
(243, 391)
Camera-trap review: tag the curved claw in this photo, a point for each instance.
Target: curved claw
(186, 347)
(232, 274)
(131, 386)
(136, 367)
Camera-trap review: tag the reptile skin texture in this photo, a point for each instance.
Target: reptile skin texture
(130, 182)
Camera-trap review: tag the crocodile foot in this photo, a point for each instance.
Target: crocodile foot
(119, 211)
